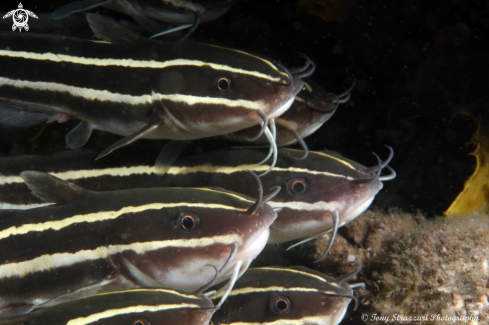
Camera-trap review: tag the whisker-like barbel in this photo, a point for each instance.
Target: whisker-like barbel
(308, 72)
(313, 107)
(244, 87)
(265, 123)
(389, 177)
(157, 237)
(259, 200)
(303, 68)
(279, 295)
(151, 14)
(314, 188)
(350, 275)
(336, 223)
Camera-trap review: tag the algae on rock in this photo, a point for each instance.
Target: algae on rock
(416, 267)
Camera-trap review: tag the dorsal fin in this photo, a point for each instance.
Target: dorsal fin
(52, 189)
(109, 30)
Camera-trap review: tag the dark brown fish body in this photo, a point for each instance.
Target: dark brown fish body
(148, 306)
(168, 91)
(312, 107)
(275, 295)
(329, 182)
(172, 11)
(158, 237)
(150, 13)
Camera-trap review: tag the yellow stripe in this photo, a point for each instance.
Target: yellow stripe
(138, 170)
(193, 100)
(230, 170)
(48, 262)
(270, 64)
(105, 215)
(341, 161)
(130, 63)
(127, 310)
(291, 271)
(294, 205)
(173, 292)
(246, 290)
(104, 95)
(304, 206)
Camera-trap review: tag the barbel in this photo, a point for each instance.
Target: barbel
(312, 107)
(127, 307)
(151, 13)
(176, 91)
(314, 189)
(156, 237)
(278, 295)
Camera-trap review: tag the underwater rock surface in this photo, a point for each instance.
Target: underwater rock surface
(414, 267)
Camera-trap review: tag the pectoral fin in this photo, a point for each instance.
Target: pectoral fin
(77, 6)
(131, 273)
(77, 137)
(17, 118)
(157, 118)
(168, 154)
(16, 311)
(52, 189)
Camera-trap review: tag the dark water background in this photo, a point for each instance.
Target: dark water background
(421, 86)
(416, 63)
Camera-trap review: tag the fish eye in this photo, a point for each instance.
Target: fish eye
(188, 221)
(223, 83)
(141, 322)
(297, 186)
(280, 305)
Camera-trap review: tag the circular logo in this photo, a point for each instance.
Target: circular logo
(20, 17)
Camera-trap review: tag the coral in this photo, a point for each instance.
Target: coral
(414, 267)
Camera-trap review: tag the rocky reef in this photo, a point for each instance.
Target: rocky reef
(416, 270)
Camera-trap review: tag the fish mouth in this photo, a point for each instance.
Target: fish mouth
(292, 90)
(254, 247)
(339, 317)
(297, 85)
(247, 253)
(282, 109)
(356, 212)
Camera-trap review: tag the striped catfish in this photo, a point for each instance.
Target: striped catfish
(138, 88)
(312, 107)
(128, 307)
(177, 238)
(318, 188)
(276, 295)
(149, 12)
